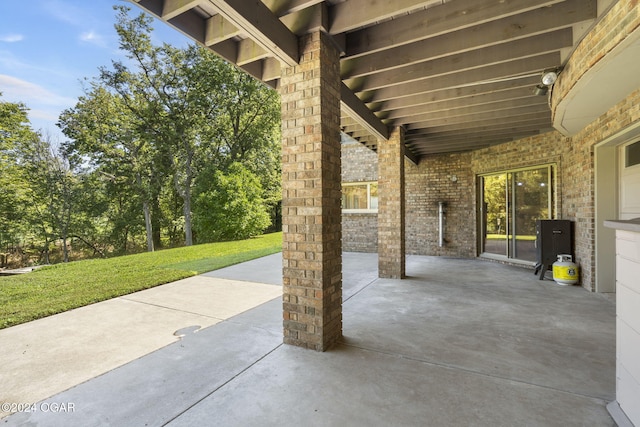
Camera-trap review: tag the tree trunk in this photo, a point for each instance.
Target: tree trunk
(147, 213)
(46, 251)
(65, 250)
(188, 236)
(156, 214)
(147, 223)
(184, 190)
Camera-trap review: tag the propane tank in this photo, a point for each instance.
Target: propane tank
(565, 271)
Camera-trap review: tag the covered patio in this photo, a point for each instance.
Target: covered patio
(443, 91)
(458, 342)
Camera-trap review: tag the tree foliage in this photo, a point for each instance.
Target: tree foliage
(157, 138)
(230, 205)
(14, 129)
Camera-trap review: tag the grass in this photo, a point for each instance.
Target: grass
(63, 287)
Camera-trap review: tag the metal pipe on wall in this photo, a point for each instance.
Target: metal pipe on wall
(441, 213)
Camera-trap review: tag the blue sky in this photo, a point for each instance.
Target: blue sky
(47, 47)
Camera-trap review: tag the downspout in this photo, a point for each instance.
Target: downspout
(441, 214)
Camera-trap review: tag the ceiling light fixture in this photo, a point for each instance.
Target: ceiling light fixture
(549, 77)
(540, 90)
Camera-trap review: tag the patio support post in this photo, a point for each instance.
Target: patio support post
(391, 238)
(311, 206)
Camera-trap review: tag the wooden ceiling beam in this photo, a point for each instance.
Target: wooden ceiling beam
(352, 14)
(543, 118)
(491, 73)
(173, 8)
(271, 69)
(494, 128)
(449, 104)
(459, 93)
(504, 106)
(352, 128)
(253, 18)
(346, 120)
(469, 144)
(464, 146)
(457, 75)
(537, 21)
(448, 17)
(249, 51)
(493, 116)
(478, 136)
(478, 58)
(351, 105)
(218, 30)
(286, 7)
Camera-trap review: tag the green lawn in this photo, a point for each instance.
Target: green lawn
(62, 287)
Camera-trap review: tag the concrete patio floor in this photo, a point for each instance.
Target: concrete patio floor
(457, 343)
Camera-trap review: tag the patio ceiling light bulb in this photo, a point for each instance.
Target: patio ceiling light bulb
(549, 77)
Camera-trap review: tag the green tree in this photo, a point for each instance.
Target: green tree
(172, 93)
(15, 129)
(104, 132)
(54, 190)
(151, 123)
(230, 205)
(248, 126)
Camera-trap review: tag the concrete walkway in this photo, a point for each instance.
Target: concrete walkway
(458, 343)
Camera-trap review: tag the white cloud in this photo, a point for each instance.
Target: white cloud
(43, 115)
(93, 38)
(11, 38)
(81, 17)
(44, 105)
(17, 90)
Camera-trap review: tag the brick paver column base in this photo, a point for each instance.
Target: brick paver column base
(391, 239)
(311, 211)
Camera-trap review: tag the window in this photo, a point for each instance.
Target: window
(632, 154)
(360, 197)
(512, 201)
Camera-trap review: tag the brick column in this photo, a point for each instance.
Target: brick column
(391, 243)
(311, 206)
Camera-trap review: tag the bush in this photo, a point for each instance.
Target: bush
(230, 207)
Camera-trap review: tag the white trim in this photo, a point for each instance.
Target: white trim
(606, 204)
(368, 186)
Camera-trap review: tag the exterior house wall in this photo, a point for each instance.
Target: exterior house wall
(574, 184)
(359, 230)
(574, 194)
(447, 178)
(430, 181)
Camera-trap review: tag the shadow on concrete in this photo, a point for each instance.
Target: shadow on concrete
(459, 343)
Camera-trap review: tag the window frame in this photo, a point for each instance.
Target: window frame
(368, 184)
(552, 203)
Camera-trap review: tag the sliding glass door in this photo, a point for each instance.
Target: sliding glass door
(512, 201)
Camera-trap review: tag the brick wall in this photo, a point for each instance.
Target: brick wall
(391, 206)
(359, 230)
(436, 178)
(359, 163)
(311, 242)
(579, 174)
(430, 181)
(613, 28)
